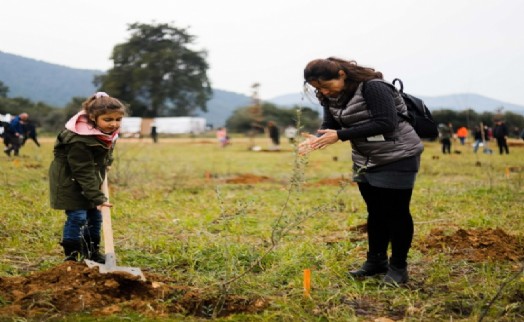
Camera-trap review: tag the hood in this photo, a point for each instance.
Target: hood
(79, 124)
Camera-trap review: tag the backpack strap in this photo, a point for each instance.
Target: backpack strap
(401, 90)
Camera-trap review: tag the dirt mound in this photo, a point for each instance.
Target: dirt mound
(515, 143)
(341, 182)
(73, 287)
(248, 179)
(476, 245)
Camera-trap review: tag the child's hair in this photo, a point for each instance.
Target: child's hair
(100, 103)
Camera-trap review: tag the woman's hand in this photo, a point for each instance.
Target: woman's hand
(328, 137)
(305, 146)
(313, 142)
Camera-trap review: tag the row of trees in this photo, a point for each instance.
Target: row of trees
(244, 119)
(248, 119)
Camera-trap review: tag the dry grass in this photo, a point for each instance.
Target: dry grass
(176, 214)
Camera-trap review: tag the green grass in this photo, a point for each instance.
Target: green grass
(174, 214)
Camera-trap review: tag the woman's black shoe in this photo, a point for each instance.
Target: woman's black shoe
(396, 275)
(374, 265)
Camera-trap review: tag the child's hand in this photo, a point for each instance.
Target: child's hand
(105, 204)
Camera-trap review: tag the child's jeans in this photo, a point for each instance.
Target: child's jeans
(83, 224)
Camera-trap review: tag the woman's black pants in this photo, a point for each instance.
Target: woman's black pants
(389, 221)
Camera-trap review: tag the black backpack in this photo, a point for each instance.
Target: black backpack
(419, 115)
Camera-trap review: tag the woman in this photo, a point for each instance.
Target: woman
(361, 108)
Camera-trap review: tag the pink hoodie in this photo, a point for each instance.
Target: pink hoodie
(79, 125)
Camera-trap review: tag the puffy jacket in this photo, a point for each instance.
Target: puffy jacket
(399, 144)
(77, 171)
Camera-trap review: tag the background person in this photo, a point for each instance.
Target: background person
(462, 134)
(445, 133)
(154, 133)
(222, 137)
(82, 155)
(30, 133)
(385, 153)
(500, 133)
(15, 134)
(274, 135)
(290, 132)
(477, 136)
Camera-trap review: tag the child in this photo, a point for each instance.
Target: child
(222, 136)
(82, 154)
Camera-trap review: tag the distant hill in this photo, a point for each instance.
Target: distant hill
(43, 82)
(222, 105)
(56, 85)
(455, 102)
(476, 102)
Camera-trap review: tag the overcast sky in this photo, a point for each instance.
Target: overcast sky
(437, 47)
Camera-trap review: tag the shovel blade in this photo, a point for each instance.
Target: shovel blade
(104, 269)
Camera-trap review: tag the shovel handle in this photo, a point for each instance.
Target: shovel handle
(109, 246)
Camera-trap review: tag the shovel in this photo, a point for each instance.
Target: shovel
(109, 247)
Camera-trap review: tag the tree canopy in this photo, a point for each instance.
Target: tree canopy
(157, 73)
(248, 118)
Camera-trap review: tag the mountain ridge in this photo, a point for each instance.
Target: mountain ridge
(56, 85)
(476, 102)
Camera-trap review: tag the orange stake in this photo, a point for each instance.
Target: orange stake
(307, 282)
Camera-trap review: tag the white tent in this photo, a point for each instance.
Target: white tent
(180, 125)
(132, 126)
(6, 118)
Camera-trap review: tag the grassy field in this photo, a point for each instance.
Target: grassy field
(234, 223)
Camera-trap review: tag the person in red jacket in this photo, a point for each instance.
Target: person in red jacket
(462, 134)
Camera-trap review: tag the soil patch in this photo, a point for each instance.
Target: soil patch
(515, 143)
(248, 179)
(478, 245)
(332, 182)
(72, 287)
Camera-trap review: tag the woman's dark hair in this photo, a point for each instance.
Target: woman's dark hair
(327, 69)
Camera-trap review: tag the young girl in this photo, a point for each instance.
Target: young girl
(82, 153)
